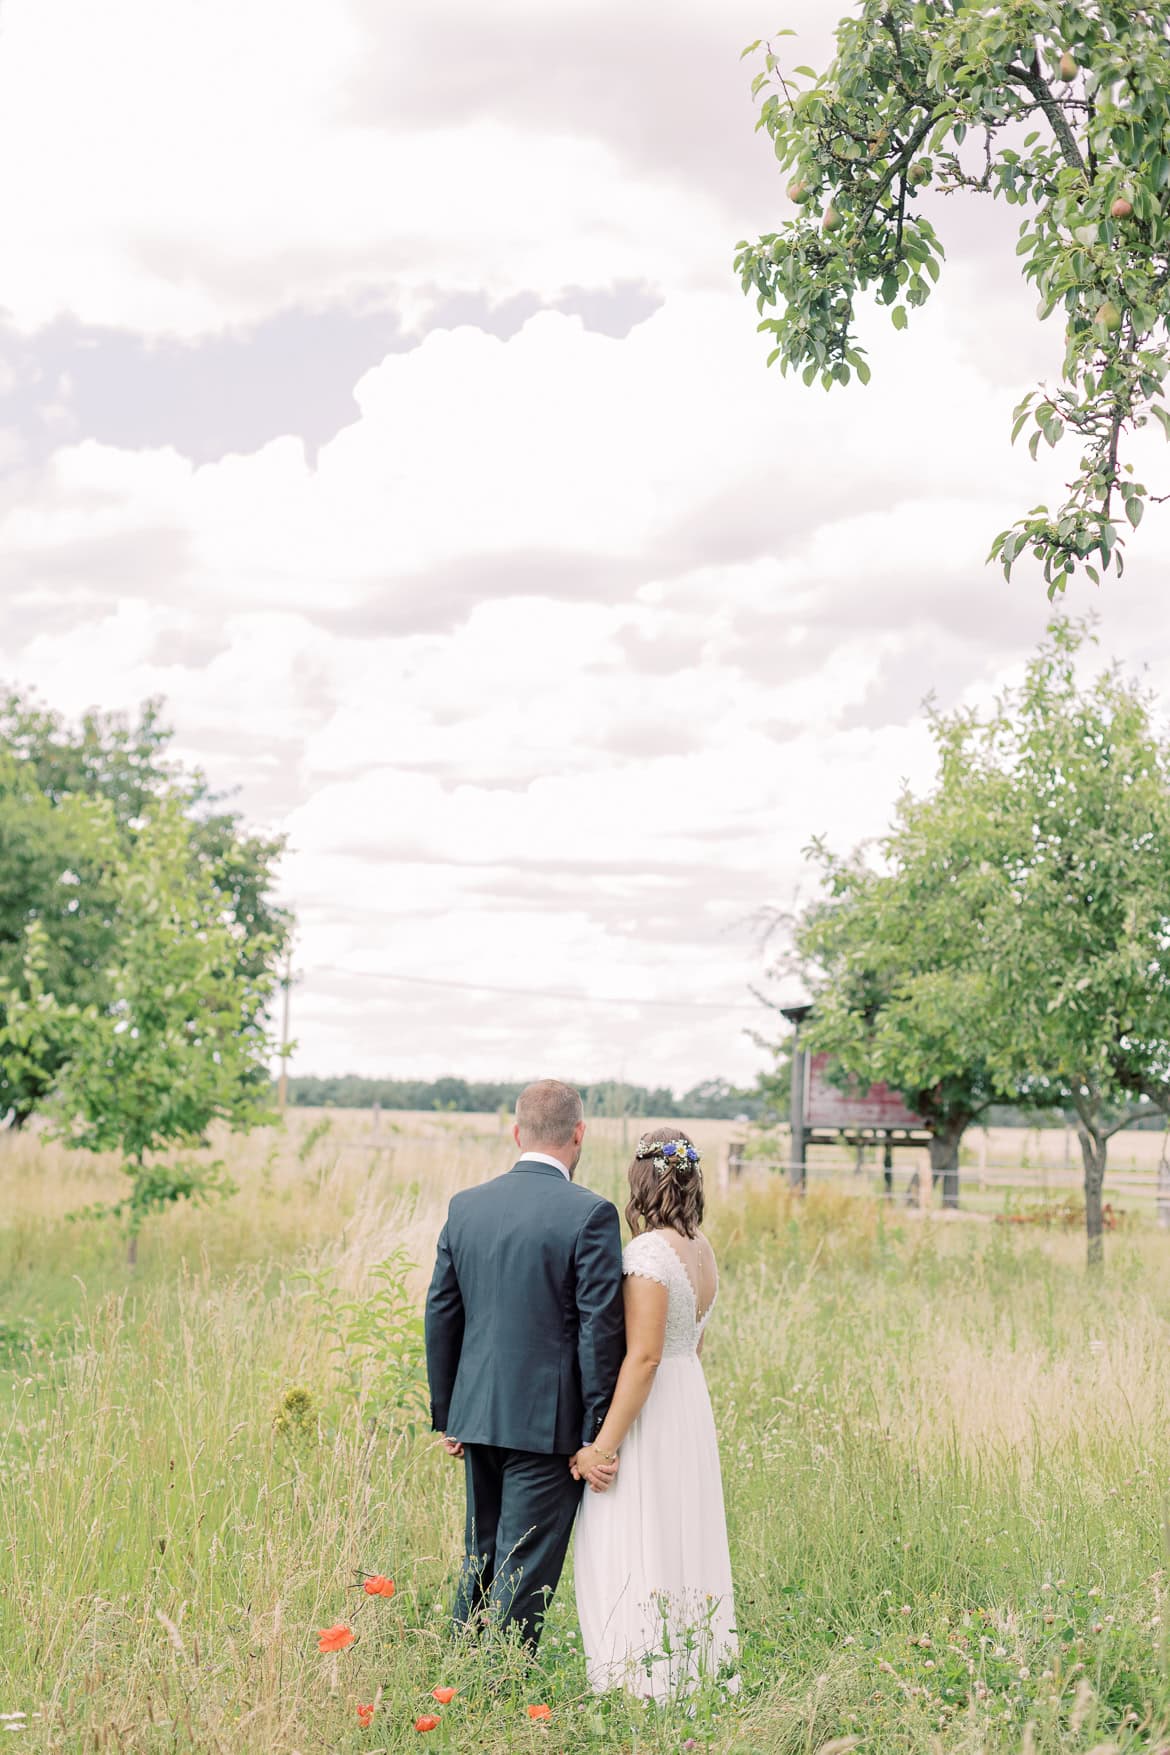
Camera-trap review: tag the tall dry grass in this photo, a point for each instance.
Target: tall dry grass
(945, 1457)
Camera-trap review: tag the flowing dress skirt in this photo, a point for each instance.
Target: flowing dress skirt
(653, 1574)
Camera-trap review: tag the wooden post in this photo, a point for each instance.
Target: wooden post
(1164, 1195)
(797, 1168)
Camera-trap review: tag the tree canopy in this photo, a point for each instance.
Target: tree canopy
(891, 954)
(1055, 108)
(74, 795)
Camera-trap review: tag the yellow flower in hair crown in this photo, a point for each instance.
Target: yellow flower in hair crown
(668, 1154)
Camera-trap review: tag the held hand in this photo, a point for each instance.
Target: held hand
(452, 1446)
(593, 1466)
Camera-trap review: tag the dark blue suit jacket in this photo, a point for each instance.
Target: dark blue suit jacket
(524, 1325)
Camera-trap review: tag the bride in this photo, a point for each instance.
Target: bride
(654, 1593)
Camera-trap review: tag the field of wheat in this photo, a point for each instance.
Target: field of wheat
(945, 1454)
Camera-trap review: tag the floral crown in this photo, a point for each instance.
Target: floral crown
(668, 1154)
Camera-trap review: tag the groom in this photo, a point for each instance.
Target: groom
(525, 1338)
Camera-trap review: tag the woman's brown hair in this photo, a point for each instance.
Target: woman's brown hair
(666, 1190)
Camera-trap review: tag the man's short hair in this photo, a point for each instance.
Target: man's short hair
(549, 1112)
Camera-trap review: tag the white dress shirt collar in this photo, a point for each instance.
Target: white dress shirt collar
(543, 1158)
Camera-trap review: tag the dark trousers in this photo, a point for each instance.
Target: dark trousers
(520, 1511)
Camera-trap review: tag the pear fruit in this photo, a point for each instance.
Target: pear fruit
(1121, 209)
(919, 173)
(831, 220)
(1068, 66)
(1108, 318)
(798, 191)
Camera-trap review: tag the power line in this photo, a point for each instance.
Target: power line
(674, 1005)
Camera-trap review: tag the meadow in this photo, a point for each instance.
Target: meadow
(945, 1453)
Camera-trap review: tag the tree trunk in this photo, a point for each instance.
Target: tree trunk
(944, 1157)
(132, 1249)
(1094, 1152)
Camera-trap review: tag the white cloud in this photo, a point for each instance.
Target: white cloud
(560, 653)
(511, 789)
(210, 172)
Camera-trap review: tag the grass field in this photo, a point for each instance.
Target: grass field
(945, 1451)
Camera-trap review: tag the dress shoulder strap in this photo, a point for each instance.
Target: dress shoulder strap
(645, 1255)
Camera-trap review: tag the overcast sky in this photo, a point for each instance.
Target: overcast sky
(375, 387)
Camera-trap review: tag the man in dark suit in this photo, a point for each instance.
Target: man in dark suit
(525, 1338)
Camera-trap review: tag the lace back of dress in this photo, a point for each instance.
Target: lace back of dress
(652, 1257)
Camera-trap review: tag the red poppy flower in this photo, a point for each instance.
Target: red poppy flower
(365, 1714)
(430, 1721)
(335, 1638)
(444, 1696)
(540, 1712)
(377, 1586)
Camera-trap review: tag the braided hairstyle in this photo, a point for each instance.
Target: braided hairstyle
(666, 1183)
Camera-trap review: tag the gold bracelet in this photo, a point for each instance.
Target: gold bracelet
(607, 1456)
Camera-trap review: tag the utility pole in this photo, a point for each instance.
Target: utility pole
(282, 1086)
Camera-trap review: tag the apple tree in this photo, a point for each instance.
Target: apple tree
(1057, 109)
(178, 1041)
(1005, 942)
(1078, 985)
(57, 778)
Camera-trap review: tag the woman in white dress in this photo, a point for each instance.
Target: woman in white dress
(653, 1575)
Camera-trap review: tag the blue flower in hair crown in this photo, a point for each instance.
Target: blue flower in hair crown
(669, 1154)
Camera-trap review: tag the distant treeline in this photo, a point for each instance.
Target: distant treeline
(713, 1100)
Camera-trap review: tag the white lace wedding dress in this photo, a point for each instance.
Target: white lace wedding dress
(653, 1573)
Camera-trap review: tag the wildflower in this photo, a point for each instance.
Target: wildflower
(365, 1714)
(906, 1609)
(430, 1721)
(335, 1638)
(539, 1712)
(377, 1586)
(444, 1696)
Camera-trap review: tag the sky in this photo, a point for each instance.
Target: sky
(375, 387)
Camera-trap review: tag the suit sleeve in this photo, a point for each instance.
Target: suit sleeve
(444, 1332)
(601, 1339)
